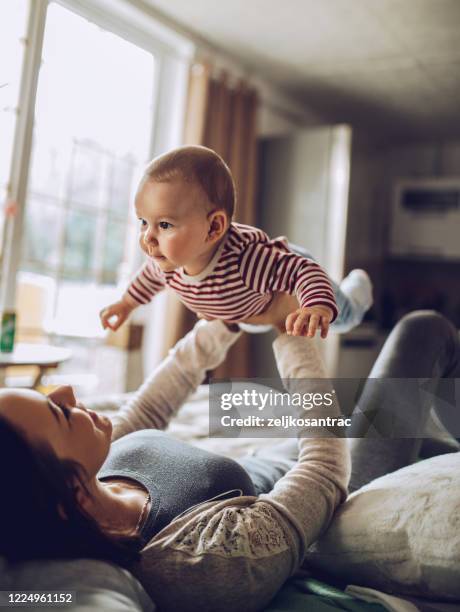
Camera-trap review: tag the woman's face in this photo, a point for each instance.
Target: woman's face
(58, 419)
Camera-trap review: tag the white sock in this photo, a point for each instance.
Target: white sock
(357, 286)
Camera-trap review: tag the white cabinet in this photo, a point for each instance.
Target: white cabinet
(425, 219)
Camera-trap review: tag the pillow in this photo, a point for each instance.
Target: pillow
(400, 533)
(98, 585)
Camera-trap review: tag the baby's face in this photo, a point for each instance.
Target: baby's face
(173, 223)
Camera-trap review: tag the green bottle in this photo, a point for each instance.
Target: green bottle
(7, 332)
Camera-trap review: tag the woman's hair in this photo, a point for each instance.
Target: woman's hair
(198, 165)
(40, 516)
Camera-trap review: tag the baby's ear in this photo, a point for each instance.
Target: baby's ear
(218, 224)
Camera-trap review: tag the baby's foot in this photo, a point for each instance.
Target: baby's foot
(357, 286)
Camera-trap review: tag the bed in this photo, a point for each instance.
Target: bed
(103, 586)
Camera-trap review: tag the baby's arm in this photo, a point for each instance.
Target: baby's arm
(145, 285)
(267, 269)
(167, 388)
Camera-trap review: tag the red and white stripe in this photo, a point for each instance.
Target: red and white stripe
(251, 267)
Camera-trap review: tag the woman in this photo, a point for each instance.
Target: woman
(226, 554)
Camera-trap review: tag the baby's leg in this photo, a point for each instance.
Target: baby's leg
(353, 295)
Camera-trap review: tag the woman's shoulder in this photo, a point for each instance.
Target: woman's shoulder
(238, 527)
(217, 544)
(248, 529)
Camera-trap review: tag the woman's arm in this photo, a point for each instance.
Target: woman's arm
(165, 390)
(310, 492)
(254, 543)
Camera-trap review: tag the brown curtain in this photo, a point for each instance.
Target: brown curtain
(223, 118)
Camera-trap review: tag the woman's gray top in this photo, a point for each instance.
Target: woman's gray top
(177, 475)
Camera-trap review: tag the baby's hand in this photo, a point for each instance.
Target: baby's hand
(305, 321)
(115, 315)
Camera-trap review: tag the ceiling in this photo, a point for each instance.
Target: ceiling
(387, 66)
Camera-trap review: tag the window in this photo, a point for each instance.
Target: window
(13, 18)
(92, 132)
(80, 115)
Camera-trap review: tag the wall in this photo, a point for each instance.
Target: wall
(375, 168)
(280, 114)
(303, 194)
(421, 284)
(366, 224)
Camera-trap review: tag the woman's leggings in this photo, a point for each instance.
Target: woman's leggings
(423, 348)
(423, 345)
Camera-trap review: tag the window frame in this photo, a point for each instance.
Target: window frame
(133, 21)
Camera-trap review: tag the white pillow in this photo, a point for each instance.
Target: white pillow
(98, 585)
(400, 533)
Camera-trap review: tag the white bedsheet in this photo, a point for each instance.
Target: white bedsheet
(192, 425)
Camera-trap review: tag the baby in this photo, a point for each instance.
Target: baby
(218, 268)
